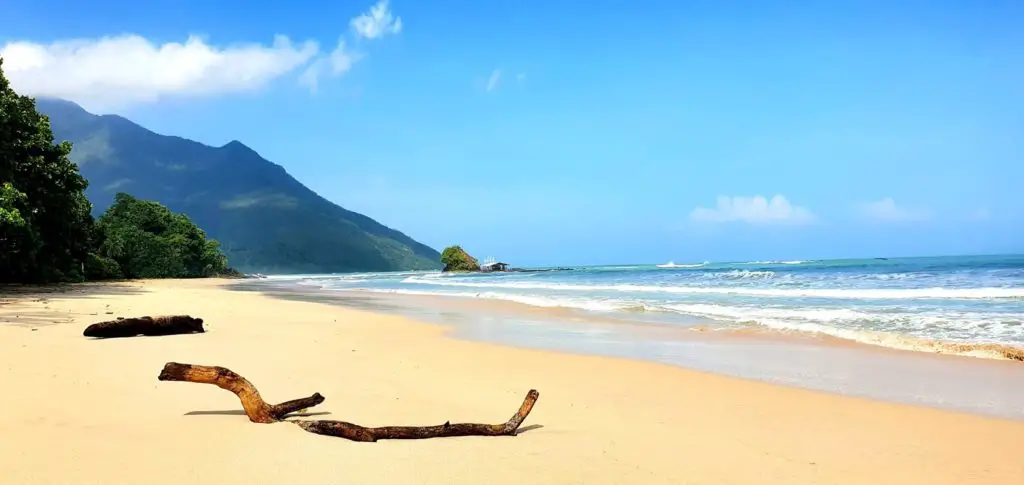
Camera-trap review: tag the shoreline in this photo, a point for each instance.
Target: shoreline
(980, 385)
(89, 411)
(646, 317)
(967, 305)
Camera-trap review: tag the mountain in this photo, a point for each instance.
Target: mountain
(265, 220)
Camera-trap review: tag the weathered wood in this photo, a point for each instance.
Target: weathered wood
(149, 326)
(255, 407)
(354, 432)
(259, 411)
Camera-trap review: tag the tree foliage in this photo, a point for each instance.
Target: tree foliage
(146, 240)
(45, 219)
(47, 232)
(454, 258)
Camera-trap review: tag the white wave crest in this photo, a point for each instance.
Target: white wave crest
(742, 274)
(838, 293)
(597, 305)
(796, 261)
(964, 334)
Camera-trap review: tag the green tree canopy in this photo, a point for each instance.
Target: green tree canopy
(45, 220)
(454, 258)
(47, 232)
(146, 240)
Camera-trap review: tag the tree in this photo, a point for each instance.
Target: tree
(45, 220)
(454, 258)
(146, 240)
(47, 231)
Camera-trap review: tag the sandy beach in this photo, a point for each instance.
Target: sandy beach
(77, 410)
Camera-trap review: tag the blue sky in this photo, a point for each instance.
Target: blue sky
(567, 132)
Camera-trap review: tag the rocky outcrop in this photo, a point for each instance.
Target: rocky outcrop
(454, 258)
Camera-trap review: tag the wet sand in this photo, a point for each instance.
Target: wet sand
(960, 383)
(77, 410)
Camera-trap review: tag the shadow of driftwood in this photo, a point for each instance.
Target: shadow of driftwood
(231, 412)
(145, 336)
(239, 412)
(306, 415)
(529, 428)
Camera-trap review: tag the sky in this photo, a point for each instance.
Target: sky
(569, 132)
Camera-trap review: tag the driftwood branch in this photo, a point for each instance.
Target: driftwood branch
(259, 411)
(255, 407)
(149, 326)
(355, 432)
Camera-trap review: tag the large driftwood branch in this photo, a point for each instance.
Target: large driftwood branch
(260, 412)
(149, 326)
(355, 432)
(255, 407)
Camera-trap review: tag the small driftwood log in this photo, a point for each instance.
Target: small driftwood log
(255, 407)
(355, 432)
(259, 411)
(149, 326)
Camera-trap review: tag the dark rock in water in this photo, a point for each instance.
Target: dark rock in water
(232, 273)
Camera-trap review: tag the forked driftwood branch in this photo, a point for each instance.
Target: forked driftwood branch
(355, 432)
(255, 407)
(259, 411)
(149, 326)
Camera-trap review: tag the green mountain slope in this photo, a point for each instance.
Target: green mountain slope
(265, 220)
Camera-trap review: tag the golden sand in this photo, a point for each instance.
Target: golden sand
(75, 410)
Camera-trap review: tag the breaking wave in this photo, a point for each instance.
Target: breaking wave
(838, 293)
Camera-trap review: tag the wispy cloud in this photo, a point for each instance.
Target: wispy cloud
(492, 82)
(886, 210)
(378, 22)
(338, 62)
(521, 77)
(753, 210)
(114, 72)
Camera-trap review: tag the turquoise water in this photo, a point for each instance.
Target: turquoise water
(895, 302)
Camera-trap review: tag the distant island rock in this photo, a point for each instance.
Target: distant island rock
(456, 259)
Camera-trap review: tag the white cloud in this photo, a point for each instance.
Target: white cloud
(378, 22)
(129, 69)
(115, 72)
(338, 62)
(886, 210)
(753, 210)
(492, 82)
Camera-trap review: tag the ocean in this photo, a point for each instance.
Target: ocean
(960, 304)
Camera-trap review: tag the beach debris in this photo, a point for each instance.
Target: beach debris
(148, 326)
(259, 411)
(255, 407)
(354, 432)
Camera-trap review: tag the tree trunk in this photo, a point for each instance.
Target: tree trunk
(150, 326)
(259, 411)
(355, 432)
(255, 407)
